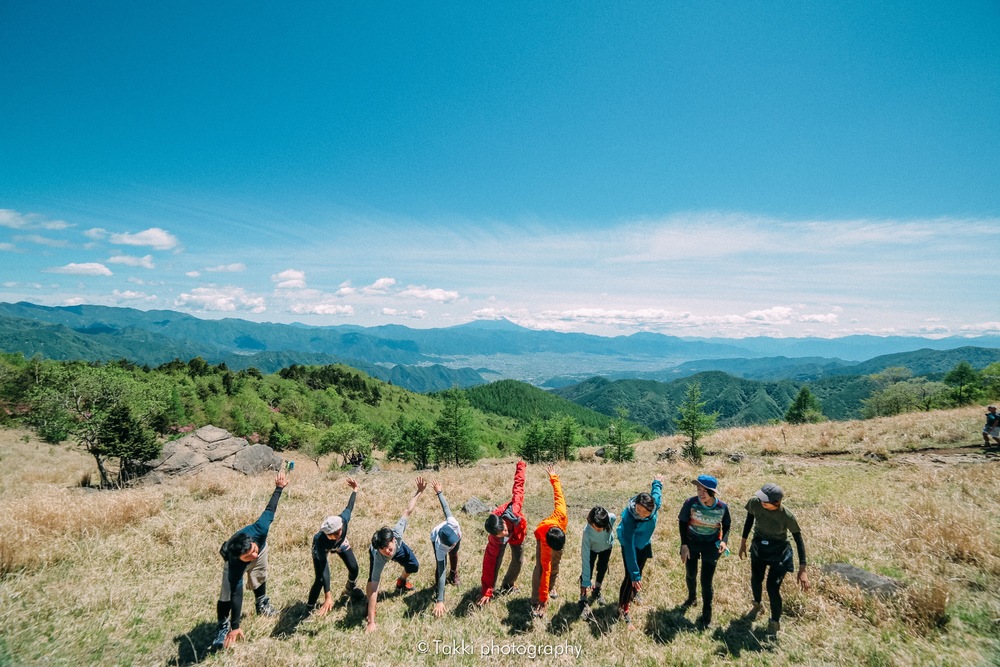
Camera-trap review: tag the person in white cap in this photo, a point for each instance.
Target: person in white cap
(771, 553)
(446, 538)
(332, 538)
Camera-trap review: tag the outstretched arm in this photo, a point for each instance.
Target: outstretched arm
(517, 493)
(421, 485)
(439, 490)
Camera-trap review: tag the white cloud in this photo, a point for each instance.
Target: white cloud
(391, 311)
(289, 279)
(84, 269)
(153, 237)
(96, 234)
(43, 240)
(74, 301)
(14, 220)
(222, 299)
(776, 315)
(436, 294)
(236, 267)
(8, 247)
(828, 318)
(380, 286)
(193, 274)
(321, 309)
(145, 262)
(129, 295)
(981, 328)
(346, 289)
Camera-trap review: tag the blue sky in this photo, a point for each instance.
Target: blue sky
(785, 168)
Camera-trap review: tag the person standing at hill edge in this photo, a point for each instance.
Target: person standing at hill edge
(704, 525)
(387, 545)
(506, 525)
(332, 538)
(246, 552)
(635, 534)
(992, 428)
(770, 551)
(446, 538)
(550, 538)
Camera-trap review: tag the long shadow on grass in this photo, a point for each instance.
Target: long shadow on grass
(518, 616)
(602, 619)
(356, 616)
(738, 637)
(194, 646)
(564, 618)
(417, 603)
(664, 624)
(289, 619)
(467, 605)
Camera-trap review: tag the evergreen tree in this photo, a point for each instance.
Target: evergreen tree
(964, 380)
(454, 433)
(805, 409)
(533, 445)
(694, 423)
(620, 438)
(414, 444)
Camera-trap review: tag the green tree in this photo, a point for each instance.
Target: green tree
(805, 409)
(991, 380)
(620, 438)
(414, 444)
(533, 443)
(694, 423)
(454, 432)
(964, 381)
(351, 441)
(566, 438)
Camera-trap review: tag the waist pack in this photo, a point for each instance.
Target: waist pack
(777, 553)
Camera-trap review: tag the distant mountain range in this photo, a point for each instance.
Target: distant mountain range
(466, 355)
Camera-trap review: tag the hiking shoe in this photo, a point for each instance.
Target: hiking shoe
(452, 578)
(755, 610)
(265, 608)
(403, 585)
(538, 611)
(773, 626)
(596, 597)
(689, 602)
(703, 621)
(220, 639)
(553, 595)
(627, 619)
(585, 613)
(506, 590)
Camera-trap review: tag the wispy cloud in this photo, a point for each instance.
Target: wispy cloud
(236, 267)
(129, 295)
(435, 294)
(380, 286)
(221, 299)
(337, 310)
(37, 239)
(7, 247)
(14, 220)
(145, 262)
(154, 237)
(82, 269)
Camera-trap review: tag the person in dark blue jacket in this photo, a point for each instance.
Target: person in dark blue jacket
(246, 553)
(332, 538)
(635, 534)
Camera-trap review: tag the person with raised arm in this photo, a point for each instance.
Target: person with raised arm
(332, 538)
(446, 538)
(387, 545)
(506, 526)
(635, 534)
(550, 538)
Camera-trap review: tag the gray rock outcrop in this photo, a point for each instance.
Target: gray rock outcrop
(209, 447)
(869, 582)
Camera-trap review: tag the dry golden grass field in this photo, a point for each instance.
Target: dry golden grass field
(131, 577)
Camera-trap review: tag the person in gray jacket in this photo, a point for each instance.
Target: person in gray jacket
(595, 549)
(446, 538)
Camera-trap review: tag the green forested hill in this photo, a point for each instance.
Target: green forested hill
(525, 402)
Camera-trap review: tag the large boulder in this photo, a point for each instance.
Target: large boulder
(869, 582)
(211, 447)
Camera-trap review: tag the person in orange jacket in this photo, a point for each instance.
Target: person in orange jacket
(506, 525)
(550, 538)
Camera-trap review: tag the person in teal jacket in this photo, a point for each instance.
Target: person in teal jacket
(635, 534)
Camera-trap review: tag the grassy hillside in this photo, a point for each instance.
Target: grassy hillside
(131, 577)
(525, 402)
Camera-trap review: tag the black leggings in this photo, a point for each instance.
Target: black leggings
(626, 593)
(709, 557)
(322, 581)
(775, 575)
(600, 558)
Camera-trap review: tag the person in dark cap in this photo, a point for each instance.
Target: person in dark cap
(992, 428)
(246, 553)
(704, 525)
(550, 538)
(332, 538)
(446, 538)
(771, 554)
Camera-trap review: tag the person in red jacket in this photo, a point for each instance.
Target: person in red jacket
(550, 538)
(506, 525)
